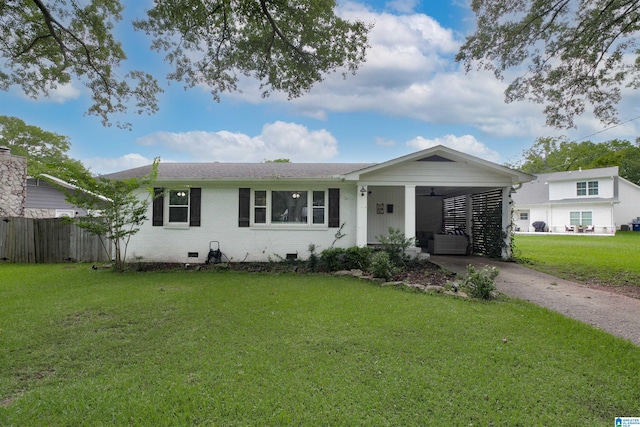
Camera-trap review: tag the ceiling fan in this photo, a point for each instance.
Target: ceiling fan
(433, 193)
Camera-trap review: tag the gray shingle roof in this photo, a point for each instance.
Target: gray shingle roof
(216, 171)
(582, 174)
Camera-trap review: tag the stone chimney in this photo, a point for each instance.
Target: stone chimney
(13, 184)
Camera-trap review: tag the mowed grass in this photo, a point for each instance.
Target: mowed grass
(606, 260)
(84, 347)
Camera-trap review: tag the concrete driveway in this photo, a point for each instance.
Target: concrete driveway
(617, 314)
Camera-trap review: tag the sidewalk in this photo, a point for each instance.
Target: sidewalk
(617, 314)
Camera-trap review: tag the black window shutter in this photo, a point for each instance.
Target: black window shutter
(244, 207)
(334, 207)
(195, 196)
(158, 207)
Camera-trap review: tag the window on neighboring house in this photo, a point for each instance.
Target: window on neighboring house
(524, 216)
(581, 218)
(584, 188)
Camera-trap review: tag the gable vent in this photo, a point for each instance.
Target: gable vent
(435, 158)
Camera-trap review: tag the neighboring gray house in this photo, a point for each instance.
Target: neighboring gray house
(590, 200)
(45, 200)
(450, 201)
(24, 196)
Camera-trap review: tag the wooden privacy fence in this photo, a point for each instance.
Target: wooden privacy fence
(47, 241)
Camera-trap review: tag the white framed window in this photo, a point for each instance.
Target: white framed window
(178, 206)
(584, 188)
(289, 207)
(260, 207)
(319, 207)
(581, 218)
(524, 216)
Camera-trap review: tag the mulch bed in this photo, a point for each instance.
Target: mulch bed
(421, 273)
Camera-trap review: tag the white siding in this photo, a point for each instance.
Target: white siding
(601, 216)
(538, 213)
(379, 223)
(629, 207)
(219, 222)
(522, 225)
(560, 190)
(437, 174)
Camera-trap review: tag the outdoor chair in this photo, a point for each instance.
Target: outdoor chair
(568, 229)
(589, 228)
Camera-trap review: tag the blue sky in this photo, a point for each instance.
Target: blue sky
(409, 95)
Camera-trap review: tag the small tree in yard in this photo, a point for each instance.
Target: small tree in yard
(114, 211)
(395, 244)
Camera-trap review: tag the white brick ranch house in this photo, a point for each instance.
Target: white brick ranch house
(451, 201)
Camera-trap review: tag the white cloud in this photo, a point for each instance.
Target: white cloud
(60, 94)
(64, 92)
(466, 143)
(277, 140)
(410, 72)
(102, 165)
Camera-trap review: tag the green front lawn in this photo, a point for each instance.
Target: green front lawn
(609, 260)
(84, 347)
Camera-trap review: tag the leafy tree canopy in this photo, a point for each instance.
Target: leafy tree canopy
(46, 152)
(576, 53)
(287, 45)
(278, 161)
(557, 155)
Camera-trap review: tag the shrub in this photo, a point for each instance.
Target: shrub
(332, 259)
(357, 258)
(395, 245)
(312, 261)
(382, 266)
(480, 283)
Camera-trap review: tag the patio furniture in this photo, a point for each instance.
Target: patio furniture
(539, 226)
(589, 228)
(448, 244)
(568, 229)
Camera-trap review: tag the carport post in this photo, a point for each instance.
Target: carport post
(506, 222)
(361, 214)
(410, 212)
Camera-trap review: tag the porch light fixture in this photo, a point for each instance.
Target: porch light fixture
(363, 191)
(181, 194)
(296, 195)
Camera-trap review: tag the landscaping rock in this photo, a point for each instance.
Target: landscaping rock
(456, 294)
(354, 273)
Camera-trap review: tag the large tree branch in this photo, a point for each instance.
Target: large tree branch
(276, 30)
(49, 21)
